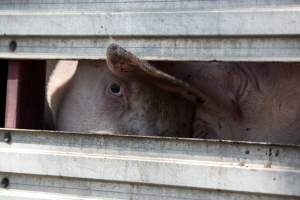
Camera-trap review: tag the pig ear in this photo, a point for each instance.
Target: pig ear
(126, 65)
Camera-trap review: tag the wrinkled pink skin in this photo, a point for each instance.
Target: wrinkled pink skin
(250, 101)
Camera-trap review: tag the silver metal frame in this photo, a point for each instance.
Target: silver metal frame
(230, 30)
(123, 167)
(43, 165)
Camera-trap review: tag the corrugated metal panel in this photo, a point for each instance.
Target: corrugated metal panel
(56, 165)
(266, 30)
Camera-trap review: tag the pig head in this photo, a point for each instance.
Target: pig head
(123, 95)
(235, 101)
(256, 102)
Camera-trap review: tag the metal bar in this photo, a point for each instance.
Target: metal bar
(193, 23)
(226, 30)
(31, 187)
(140, 5)
(255, 169)
(226, 49)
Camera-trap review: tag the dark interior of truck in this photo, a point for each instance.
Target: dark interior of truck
(3, 78)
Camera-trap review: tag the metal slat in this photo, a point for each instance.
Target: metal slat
(181, 23)
(28, 187)
(259, 170)
(157, 30)
(226, 49)
(141, 5)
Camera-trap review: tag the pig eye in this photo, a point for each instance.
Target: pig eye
(115, 88)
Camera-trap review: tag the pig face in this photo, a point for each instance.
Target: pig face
(123, 95)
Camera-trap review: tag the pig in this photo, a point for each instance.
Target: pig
(242, 101)
(123, 95)
(227, 101)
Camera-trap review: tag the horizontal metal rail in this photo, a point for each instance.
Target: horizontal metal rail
(48, 165)
(153, 29)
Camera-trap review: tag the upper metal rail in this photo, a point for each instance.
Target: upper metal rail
(240, 30)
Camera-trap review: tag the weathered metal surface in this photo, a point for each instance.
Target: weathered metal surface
(141, 5)
(180, 23)
(158, 30)
(227, 49)
(48, 165)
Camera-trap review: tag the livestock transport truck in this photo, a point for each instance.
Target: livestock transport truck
(38, 164)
